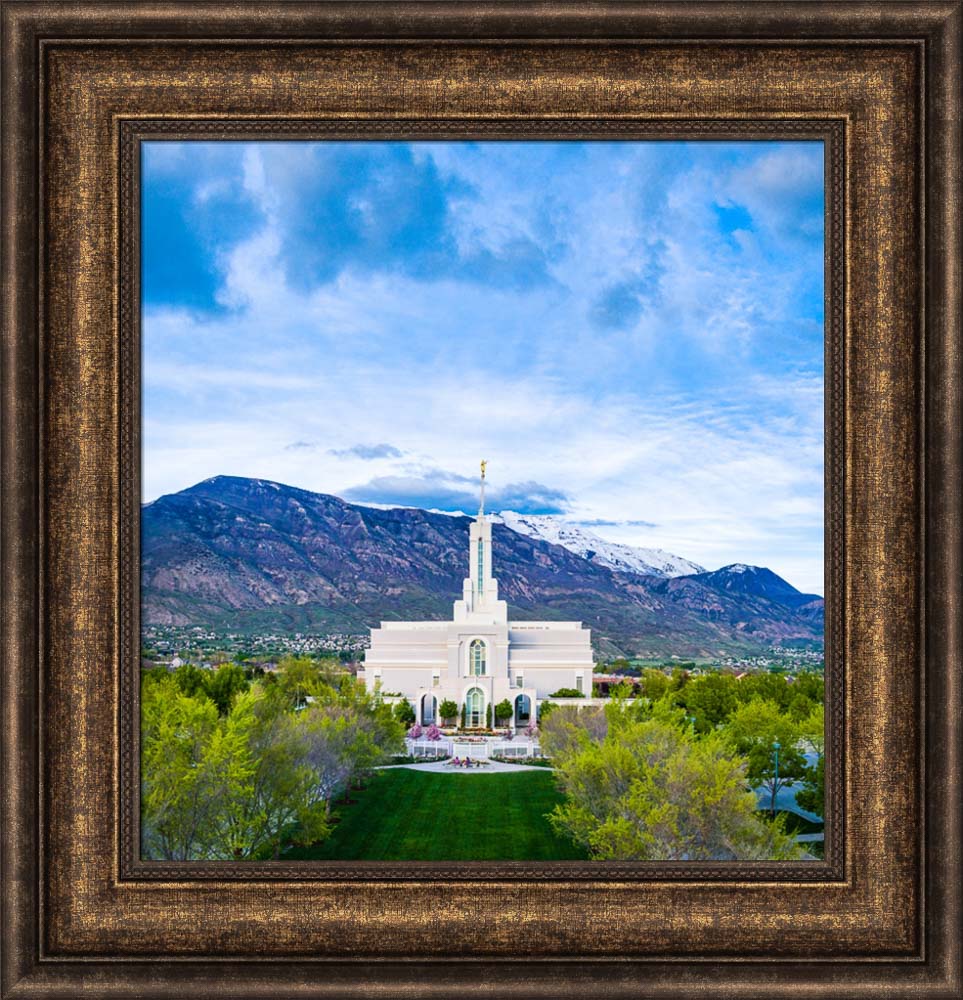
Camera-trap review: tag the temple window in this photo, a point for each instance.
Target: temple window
(476, 658)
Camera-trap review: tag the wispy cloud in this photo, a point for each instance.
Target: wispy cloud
(601, 522)
(367, 452)
(440, 490)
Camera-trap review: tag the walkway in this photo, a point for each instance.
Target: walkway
(492, 767)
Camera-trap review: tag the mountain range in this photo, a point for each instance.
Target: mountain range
(251, 555)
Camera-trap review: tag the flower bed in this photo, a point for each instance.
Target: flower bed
(407, 758)
(467, 762)
(529, 761)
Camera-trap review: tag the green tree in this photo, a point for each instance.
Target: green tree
(653, 684)
(799, 707)
(378, 732)
(812, 796)
(813, 686)
(647, 791)
(503, 711)
(268, 787)
(753, 730)
(448, 710)
(567, 729)
(242, 784)
(330, 737)
(298, 679)
(225, 684)
(709, 699)
(190, 679)
(404, 713)
(765, 687)
(812, 732)
(177, 784)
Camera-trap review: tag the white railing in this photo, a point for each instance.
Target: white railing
(515, 749)
(429, 748)
(477, 747)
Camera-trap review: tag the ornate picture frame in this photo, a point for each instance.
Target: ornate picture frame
(83, 86)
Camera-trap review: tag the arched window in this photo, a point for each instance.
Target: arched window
(523, 710)
(475, 708)
(476, 658)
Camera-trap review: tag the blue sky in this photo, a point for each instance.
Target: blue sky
(631, 333)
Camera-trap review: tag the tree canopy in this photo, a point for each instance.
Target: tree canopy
(648, 790)
(234, 770)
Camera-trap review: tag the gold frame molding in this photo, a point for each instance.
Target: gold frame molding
(82, 86)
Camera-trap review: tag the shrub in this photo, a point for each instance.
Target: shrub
(415, 732)
(432, 732)
(649, 791)
(566, 693)
(404, 713)
(503, 710)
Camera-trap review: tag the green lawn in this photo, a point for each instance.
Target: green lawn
(406, 815)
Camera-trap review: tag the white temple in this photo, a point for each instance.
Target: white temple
(479, 658)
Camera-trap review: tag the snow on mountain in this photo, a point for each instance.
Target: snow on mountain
(585, 543)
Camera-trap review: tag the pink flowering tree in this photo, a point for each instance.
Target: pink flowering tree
(432, 732)
(415, 732)
(531, 730)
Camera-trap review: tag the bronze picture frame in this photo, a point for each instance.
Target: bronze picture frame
(82, 86)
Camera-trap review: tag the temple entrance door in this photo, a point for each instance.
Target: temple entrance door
(475, 708)
(523, 710)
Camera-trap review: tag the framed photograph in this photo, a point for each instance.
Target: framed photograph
(366, 639)
(481, 500)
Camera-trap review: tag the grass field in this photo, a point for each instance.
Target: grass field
(406, 815)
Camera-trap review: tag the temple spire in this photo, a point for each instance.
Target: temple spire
(479, 602)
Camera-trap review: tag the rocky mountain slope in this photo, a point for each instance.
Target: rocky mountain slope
(254, 555)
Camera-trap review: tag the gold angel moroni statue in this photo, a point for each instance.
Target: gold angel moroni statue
(484, 462)
(481, 503)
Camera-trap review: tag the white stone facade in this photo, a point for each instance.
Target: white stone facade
(479, 658)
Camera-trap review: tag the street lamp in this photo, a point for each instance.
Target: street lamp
(775, 781)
